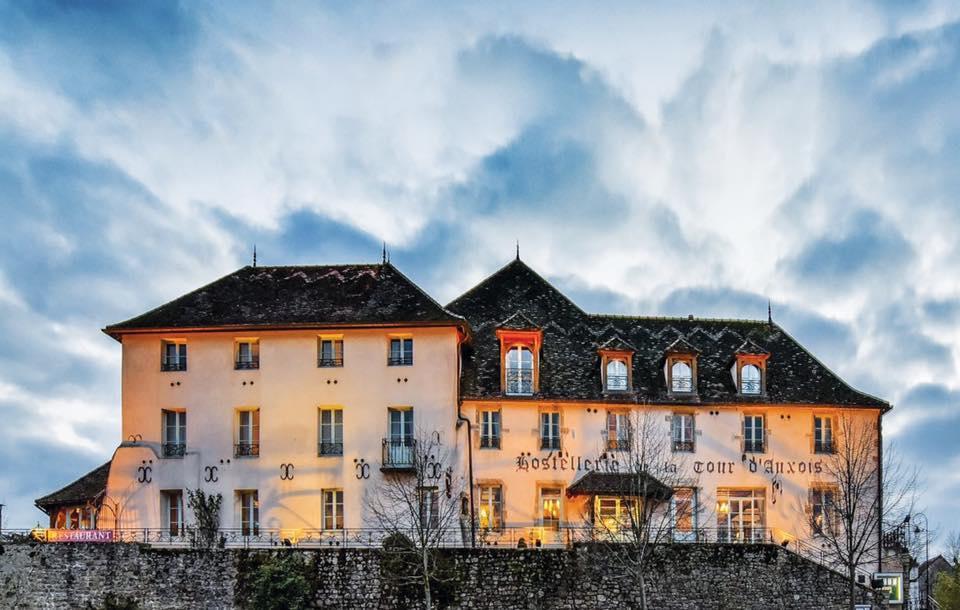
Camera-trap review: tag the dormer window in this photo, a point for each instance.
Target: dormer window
(616, 362)
(616, 379)
(520, 364)
(750, 369)
(680, 367)
(750, 379)
(681, 377)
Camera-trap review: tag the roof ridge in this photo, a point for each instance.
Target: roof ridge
(517, 261)
(423, 292)
(617, 316)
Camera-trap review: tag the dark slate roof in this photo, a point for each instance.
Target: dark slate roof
(569, 366)
(619, 484)
(298, 295)
(87, 488)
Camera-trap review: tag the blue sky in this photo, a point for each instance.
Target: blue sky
(699, 159)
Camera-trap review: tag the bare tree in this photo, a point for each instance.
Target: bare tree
(865, 494)
(643, 495)
(417, 505)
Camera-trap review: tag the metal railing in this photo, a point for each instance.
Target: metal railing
(330, 449)
(619, 441)
(247, 363)
(519, 382)
(823, 447)
(750, 386)
(174, 450)
(617, 383)
(753, 446)
(489, 441)
(682, 385)
(329, 362)
(550, 442)
(246, 449)
(174, 365)
(404, 360)
(398, 453)
(683, 446)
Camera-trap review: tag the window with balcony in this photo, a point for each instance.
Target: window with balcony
(822, 434)
(681, 376)
(617, 433)
(753, 434)
(616, 358)
(401, 352)
(174, 433)
(682, 433)
(750, 369)
(490, 429)
(248, 433)
(329, 352)
(519, 371)
(399, 446)
(173, 355)
(331, 432)
(741, 515)
(550, 430)
(248, 501)
(171, 509)
(246, 353)
(751, 379)
(491, 507)
(332, 518)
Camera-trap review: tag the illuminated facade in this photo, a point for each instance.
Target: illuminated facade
(291, 390)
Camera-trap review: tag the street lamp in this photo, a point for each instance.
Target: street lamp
(926, 555)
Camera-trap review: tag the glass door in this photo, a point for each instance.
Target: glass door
(401, 437)
(740, 515)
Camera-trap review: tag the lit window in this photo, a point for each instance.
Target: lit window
(249, 503)
(490, 429)
(519, 374)
(173, 355)
(550, 430)
(550, 508)
(331, 432)
(751, 381)
(683, 514)
(682, 432)
(822, 434)
(333, 509)
(247, 354)
(740, 515)
(753, 434)
(248, 433)
(618, 431)
(174, 433)
(822, 514)
(617, 380)
(613, 514)
(401, 352)
(491, 507)
(329, 352)
(171, 507)
(681, 377)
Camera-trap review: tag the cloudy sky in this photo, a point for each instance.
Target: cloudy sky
(699, 160)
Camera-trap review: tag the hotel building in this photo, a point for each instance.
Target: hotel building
(291, 391)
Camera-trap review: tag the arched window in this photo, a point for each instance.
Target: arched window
(750, 379)
(519, 370)
(616, 375)
(681, 377)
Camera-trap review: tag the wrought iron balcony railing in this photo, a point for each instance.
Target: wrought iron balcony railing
(398, 453)
(330, 449)
(617, 383)
(681, 385)
(823, 447)
(247, 363)
(684, 446)
(750, 386)
(753, 446)
(489, 441)
(616, 441)
(329, 362)
(174, 365)
(550, 442)
(519, 382)
(246, 449)
(174, 450)
(404, 360)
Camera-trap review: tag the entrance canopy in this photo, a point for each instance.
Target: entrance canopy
(630, 484)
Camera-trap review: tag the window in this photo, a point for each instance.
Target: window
(613, 514)
(491, 507)
(331, 432)
(618, 431)
(682, 432)
(751, 381)
(329, 352)
(398, 447)
(550, 430)
(822, 434)
(173, 356)
(247, 354)
(333, 509)
(249, 512)
(401, 352)
(740, 515)
(617, 380)
(490, 429)
(822, 514)
(753, 434)
(429, 507)
(171, 507)
(174, 433)
(683, 514)
(681, 377)
(248, 433)
(550, 508)
(519, 371)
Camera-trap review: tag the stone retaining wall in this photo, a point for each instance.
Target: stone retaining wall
(716, 576)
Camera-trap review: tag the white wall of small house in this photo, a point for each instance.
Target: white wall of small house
(716, 463)
(288, 388)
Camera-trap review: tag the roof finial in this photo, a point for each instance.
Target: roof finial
(254, 255)
(383, 260)
(769, 312)
(518, 249)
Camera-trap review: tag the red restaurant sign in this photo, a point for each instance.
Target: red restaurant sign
(79, 535)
